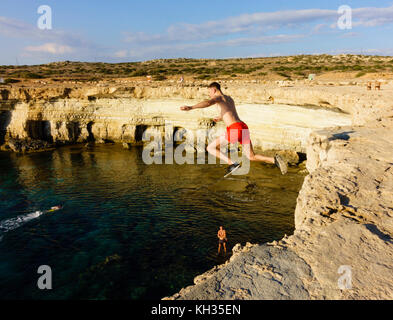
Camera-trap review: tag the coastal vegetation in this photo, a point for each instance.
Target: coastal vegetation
(290, 67)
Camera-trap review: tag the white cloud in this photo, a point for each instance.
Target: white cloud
(165, 49)
(350, 35)
(320, 28)
(121, 54)
(259, 22)
(243, 24)
(52, 48)
(371, 17)
(18, 29)
(55, 44)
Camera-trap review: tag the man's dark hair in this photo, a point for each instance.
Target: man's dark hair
(215, 85)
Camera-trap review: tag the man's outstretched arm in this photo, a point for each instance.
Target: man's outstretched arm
(201, 105)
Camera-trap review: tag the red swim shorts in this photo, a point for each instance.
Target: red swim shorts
(238, 132)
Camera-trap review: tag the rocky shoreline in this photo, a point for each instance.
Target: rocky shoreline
(344, 213)
(121, 113)
(342, 247)
(26, 145)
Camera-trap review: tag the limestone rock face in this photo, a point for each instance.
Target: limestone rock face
(119, 114)
(262, 272)
(345, 209)
(342, 247)
(344, 223)
(344, 213)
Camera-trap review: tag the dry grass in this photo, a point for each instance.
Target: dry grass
(274, 68)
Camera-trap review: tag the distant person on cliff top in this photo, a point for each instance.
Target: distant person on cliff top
(222, 239)
(237, 131)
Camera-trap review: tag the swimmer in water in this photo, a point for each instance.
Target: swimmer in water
(222, 239)
(55, 208)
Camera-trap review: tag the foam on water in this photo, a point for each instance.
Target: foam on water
(160, 221)
(13, 223)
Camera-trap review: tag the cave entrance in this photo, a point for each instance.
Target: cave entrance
(90, 131)
(5, 119)
(39, 130)
(139, 131)
(74, 131)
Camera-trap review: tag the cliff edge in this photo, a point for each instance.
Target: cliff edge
(342, 247)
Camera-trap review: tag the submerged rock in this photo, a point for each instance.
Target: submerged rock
(27, 145)
(127, 146)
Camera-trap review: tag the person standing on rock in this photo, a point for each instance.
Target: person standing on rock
(222, 239)
(237, 131)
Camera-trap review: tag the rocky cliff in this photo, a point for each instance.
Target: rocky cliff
(119, 113)
(342, 247)
(344, 214)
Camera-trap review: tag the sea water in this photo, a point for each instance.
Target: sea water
(128, 230)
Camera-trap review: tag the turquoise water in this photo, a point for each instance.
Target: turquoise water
(128, 230)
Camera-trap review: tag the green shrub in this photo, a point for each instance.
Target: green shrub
(240, 70)
(226, 72)
(140, 73)
(203, 77)
(360, 74)
(128, 70)
(282, 74)
(159, 77)
(357, 68)
(199, 71)
(281, 69)
(30, 75)
(187, 70)
(9, 81)
(301, 74)
(107, 71)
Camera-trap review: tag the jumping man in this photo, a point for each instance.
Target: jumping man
(237, 131)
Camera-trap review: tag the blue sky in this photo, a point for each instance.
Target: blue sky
(121, 31)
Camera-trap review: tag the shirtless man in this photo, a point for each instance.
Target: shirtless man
(222, 239)
(237, 131)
